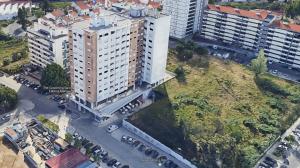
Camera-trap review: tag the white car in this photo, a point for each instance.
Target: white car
(116, 165)
(112, 128)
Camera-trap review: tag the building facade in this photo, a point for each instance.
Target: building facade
(48, 40)
(186, 16)
(112, 54)
(283, 43)
(253, 30)
(9, 10)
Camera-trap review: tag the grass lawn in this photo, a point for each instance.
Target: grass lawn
(10, 46)
(49, 124)
(218, 114)
(60, 5)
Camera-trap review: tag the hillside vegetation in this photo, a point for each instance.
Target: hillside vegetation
(13, 51)
(219, 114)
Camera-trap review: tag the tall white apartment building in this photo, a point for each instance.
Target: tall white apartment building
(156, 41)
(283, 43)
(186, 16)
(100, 59)
(253, 30)
(112, 54)
(48, 40)
(234, 26)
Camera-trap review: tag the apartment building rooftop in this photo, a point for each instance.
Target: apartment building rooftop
(259, 15)
(68, 159)
(82, 5)
(99, 22)
(286, 26)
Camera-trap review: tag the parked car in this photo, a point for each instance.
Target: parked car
(103, 155)
(148, 152)
(129, 140)
(61, 106)
(116, 165)
(112, 128)
(111, 162)
(124, 138)
(105, 159)
(154, 154)
(142, 148)
(136, 143)
(125, 166)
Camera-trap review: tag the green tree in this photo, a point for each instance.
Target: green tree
(45, 5)
(8, 98)
(259, 65)
(292, 9)
(6, 61)
(211, 1)
(68, 137)
(77, 144)
(22, 14)
(247, 156)
(54, 76)
(185, 55)
(201, 51)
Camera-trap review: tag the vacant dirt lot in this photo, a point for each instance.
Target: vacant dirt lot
(10, 159)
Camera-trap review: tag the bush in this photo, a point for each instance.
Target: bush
(16, 57)
(201, 61)
(184, 55)
(251, 124)
(12, 69)
(268, 85)
(266, 118)
(243, 108)
(278, 104)
(201, 51)
(68, 138)
(47, 123)
(267, 129)
(179, 71)
(295, 98)
(180, 74)
(6, 61)
(290, 139)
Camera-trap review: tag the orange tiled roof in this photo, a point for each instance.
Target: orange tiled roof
(73, 13)
(287, 26)
(154, 4)
(10, 132)
(58, 13)
(259, 15)
(82, 5)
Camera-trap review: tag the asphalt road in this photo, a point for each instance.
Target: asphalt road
(31, 104)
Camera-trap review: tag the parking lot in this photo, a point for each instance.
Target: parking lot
(97, 152)
(143, 148)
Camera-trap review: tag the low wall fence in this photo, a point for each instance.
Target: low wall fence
(156, 143)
